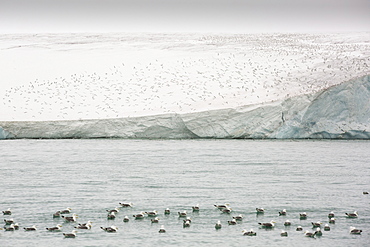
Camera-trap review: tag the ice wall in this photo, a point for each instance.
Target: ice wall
(4, 134)
(339, 112)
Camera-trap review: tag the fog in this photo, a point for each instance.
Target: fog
(221, 16)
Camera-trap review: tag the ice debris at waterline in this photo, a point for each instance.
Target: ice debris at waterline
(338, 112)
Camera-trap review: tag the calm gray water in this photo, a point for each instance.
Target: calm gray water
(39, 177)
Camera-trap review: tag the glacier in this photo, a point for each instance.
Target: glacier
(338, 112)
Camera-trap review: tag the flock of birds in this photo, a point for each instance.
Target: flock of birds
(69, 217)
(210, 76)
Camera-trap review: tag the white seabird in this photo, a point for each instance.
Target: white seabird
(326, 227)
(316, 224)
(7, 212)
(8, 221)
(182, 214)
(282, 212)
(249, 233)
(72, 234)
(152, 213)
(87, 223)
(186, 223)
(260, 210)
(232, 222)
(56, 228)
(284, 233)
(16, 226)
(32, 228)
(116, 210)
(218, 225)
(352, 215)
(126, 219)
(86, 226)
(167, 211)
(139, 216)
(270, 224)
(318, 231)
(162, 230)
(56, 214)
(72, 218)
(287, 223)
(303, 215)
(196, 208)
(66, 211)
(221, 206)
(125, 205)
(9, 228)
(110, 229)
(187, 219)
(226, 210)
(111, 216)
(309, 234)
(155, 220)
(238, 217)
(354, 230)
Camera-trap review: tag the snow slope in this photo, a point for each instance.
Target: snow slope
(98, 76)
(342, 111)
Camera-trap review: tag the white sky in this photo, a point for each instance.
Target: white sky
(233, 16)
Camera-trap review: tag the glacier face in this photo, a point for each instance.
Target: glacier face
(339, 112)
(4, 134)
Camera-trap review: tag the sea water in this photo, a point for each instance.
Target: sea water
(40, 177)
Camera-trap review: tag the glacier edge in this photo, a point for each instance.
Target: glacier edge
(338, 112)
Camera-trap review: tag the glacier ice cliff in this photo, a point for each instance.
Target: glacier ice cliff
(4, 134)
(338, 112)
